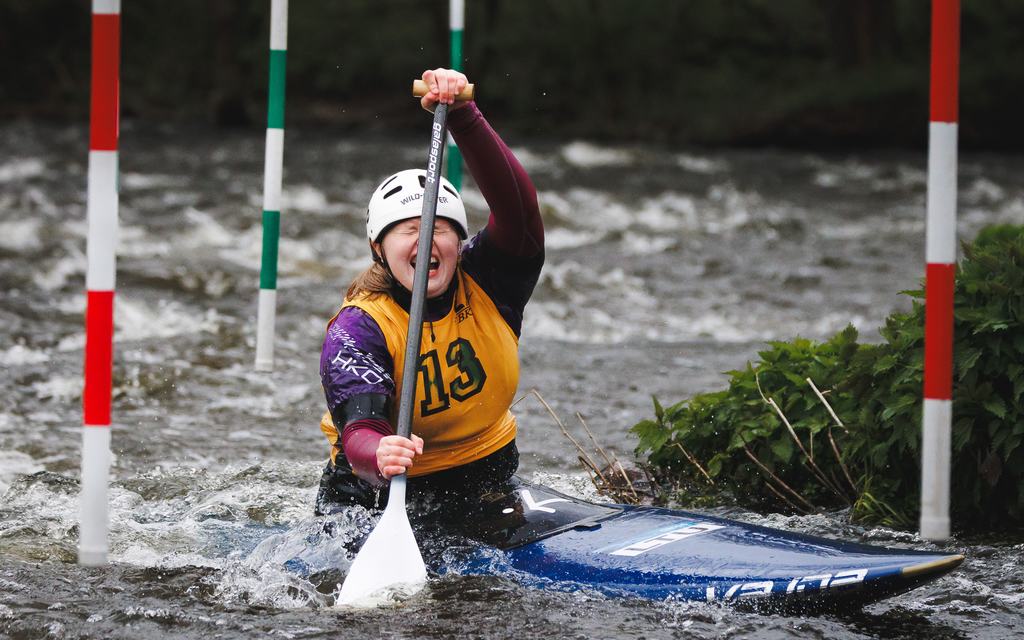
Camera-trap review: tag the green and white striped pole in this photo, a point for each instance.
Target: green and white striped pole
(456, 24)
(272, 169)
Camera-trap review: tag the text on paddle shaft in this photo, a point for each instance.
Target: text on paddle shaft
(435, 150)
(469, 382)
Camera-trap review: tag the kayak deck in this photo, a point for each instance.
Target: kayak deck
(557, 541)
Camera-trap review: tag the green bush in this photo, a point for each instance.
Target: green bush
(732, 445)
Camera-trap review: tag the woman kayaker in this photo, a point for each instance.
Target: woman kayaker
(463, 433)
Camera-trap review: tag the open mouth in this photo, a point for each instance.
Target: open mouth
(434, 263)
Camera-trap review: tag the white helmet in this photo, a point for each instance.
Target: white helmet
(400, 197)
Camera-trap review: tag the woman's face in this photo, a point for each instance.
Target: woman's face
(399, 250)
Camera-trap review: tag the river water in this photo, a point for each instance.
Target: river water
(665, 267)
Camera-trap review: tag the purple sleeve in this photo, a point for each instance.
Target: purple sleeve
(355, 359)
(506, 257)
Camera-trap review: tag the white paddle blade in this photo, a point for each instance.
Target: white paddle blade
(389, 563)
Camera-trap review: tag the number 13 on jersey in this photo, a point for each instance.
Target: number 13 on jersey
(465, 381)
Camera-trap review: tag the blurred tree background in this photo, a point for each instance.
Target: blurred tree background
(801, 73)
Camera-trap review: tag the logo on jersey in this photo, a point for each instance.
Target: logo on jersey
(361, 371)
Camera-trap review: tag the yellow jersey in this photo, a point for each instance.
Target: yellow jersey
(468, 371)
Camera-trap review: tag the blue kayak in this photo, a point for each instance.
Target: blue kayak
(555, 540)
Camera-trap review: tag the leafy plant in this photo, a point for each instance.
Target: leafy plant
(770, 440)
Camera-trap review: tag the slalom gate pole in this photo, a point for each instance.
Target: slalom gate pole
(456, 25)
(101, 207)
(272, 169)
(936, 446)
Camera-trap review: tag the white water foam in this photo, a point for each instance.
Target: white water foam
(136, 242)
(533, 162)
(130, 181)
(700, 164)
(832, 174)
(39, 201)
(579, 320)
(638, 244)
(137, 320)
(203, 230)
(59, 388)
(586, 208)
(578, 485)
(982, 191)
(587, 155)
(62, 269)
(307, 198)
(15, 463)
(579, 216)
(732, 206)
(669, 211)
(21, 169)
(973, 218)
(563, 238)
(571, 310)
(45, 507)
(20, 235)
(19, 354)
(295, 257)
(877, 178)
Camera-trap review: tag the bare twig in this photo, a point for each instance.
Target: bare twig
(821, 397)
(842, 465)
(650, 480)
(625, 476)
(583, 456)
(589, 466)
(561, 425)
(810, 459)
(694, 462)
(835, 448)
(613, 462)
(814, 467)
(592, 473)
(757, 381)
(750, 454)
(784, 498)
(521, 398)
(593, 440)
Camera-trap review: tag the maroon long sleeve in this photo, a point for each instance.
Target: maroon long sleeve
(360, 439)
(515, 225)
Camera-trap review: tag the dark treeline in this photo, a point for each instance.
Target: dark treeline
(815, 73)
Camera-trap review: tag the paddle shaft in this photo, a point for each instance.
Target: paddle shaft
(422, 272)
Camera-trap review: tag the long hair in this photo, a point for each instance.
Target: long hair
(376, 280)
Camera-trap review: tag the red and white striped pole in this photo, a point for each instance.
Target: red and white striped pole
(936, 446)
(99, 281)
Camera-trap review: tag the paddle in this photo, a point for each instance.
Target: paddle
(390, 560)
